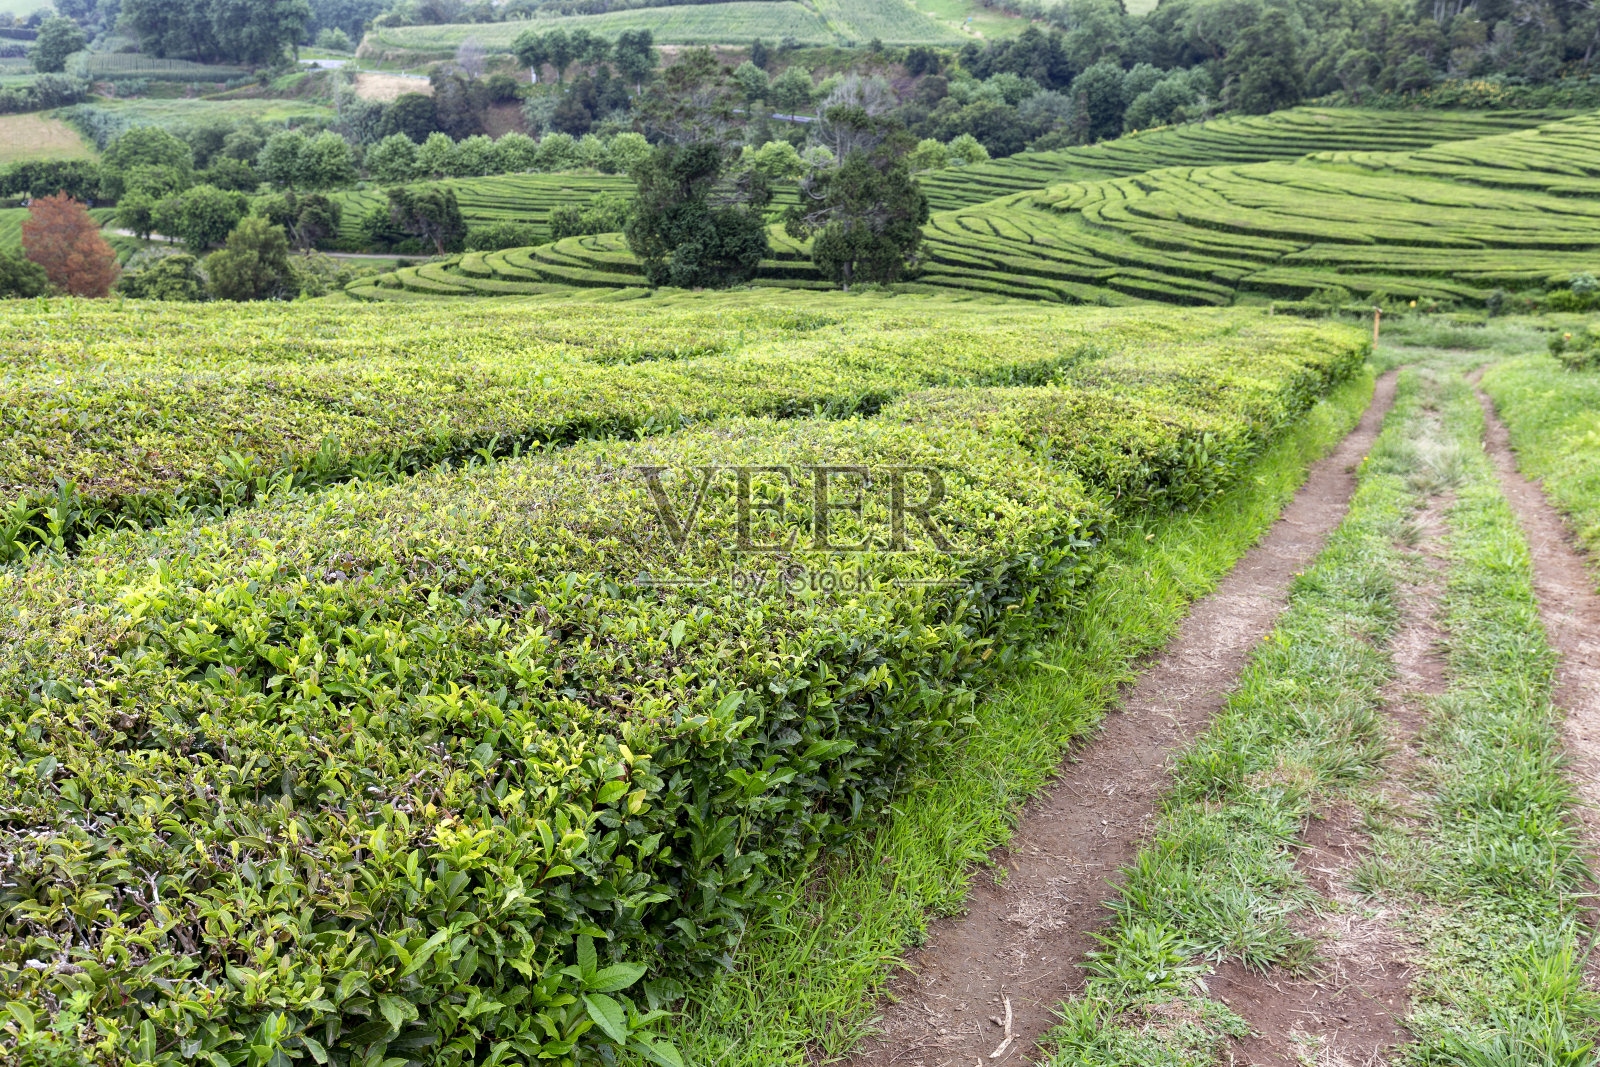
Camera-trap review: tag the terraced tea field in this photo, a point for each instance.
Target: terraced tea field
(1286, 134)
(529, 198)
(1197, 235)
(809, 22)
(524, 198)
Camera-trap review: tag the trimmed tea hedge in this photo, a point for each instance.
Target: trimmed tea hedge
(466, 768)
(133, 413)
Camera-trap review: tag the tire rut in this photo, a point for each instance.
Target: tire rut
(1016, 952)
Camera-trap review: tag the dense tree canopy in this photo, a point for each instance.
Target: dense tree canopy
(233, 31)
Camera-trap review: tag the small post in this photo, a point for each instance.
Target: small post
(1377, 318)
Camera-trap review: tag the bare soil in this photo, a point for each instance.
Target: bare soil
(1017, 949)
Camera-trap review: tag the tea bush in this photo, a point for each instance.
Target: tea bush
(473, 766)
(133, 414)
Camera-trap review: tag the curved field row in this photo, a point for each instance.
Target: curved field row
(822, 22)
(1236, 139)
(1558, 158)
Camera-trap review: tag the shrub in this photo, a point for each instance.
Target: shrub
(20, 277)
(163, 276)
(500, 235)
(254, 265)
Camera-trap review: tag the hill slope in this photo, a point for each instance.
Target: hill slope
(1198, 235)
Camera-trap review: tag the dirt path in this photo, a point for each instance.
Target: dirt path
(1569, 607)
(1021, 939)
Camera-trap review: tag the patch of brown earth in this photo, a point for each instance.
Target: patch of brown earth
(1016, 951)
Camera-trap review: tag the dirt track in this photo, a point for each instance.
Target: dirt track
(1021, 940)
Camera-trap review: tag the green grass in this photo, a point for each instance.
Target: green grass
(33, 136)
(171, 113)
(805, 979)
(1491, 879)
(1486, 875)
(1553, 415)
(971, 18)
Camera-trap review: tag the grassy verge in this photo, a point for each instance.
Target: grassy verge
(803, 982)
(1553, 415)
(1218, 879)
(1489, 875)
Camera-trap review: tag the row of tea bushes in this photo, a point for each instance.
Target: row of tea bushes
(136, 413)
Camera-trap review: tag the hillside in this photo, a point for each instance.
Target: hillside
(1198, 235)
(529, 198)
(738, 22)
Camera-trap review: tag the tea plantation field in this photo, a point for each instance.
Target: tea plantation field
(1286, 134)
(454, 744)
(529, 198)
(738, 22)
(1451, 223)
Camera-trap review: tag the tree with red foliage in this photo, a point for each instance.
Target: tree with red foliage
(61, 237)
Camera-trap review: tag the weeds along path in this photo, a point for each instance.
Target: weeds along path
(1003, 968)
(1569, 608)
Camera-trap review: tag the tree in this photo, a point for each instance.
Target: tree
(237, 31)
(233, 174)
(59, 236)
(1264, 66)
(531, 52)
(694, 225)
(967, 150)
(308, 220)
(136, 215)
(58, 38)
(430, 214)
(559, 52)
(760, 56)
(752, 81)
(21, 277)
(327, 162)
(201, 217)
(412, 114)
(791, 92)
(280, 159)
(865, 214)
(254, 265)
(149, 146)
(635, 56)
(436, 157)
(1098, 101)
(166, 276)
(392, 160)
